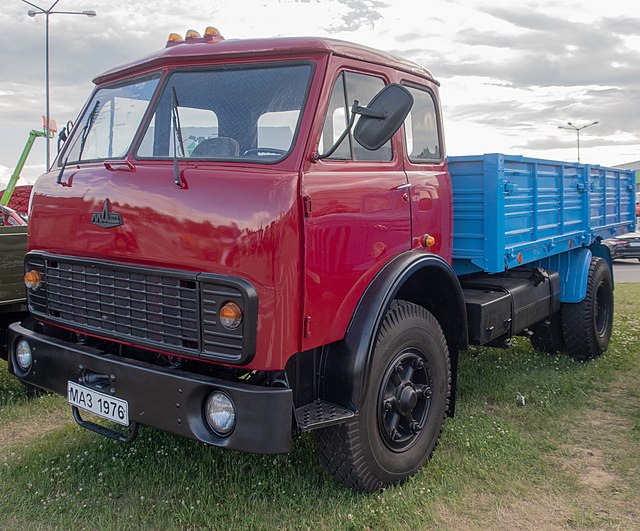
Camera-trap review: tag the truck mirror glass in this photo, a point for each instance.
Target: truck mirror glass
(383, 116)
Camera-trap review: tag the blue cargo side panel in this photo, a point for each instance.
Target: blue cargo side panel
(511, 210)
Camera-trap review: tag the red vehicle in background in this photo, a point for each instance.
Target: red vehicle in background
(239, 237)
(20, 200)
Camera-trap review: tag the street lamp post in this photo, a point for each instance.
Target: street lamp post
(46, 13)
(577, 130)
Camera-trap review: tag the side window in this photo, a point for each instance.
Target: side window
(348, 87)
(421, 128)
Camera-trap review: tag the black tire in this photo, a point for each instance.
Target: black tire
(547, 336)
(402, 416)
(587, 325)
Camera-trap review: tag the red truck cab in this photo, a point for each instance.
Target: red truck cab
(251, 204)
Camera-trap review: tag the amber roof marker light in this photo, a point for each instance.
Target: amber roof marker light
(173, 39)
(211, 35)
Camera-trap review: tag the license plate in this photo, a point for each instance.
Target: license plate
(101, 404)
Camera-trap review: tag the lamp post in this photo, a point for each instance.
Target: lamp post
(577, 130)
(47, 13)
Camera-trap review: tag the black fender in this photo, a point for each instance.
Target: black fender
(423, 278)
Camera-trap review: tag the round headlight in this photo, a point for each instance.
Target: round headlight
(23, 355)
(220, 413)
(231, 315)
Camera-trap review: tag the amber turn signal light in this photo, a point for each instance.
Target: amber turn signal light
(231, 315)
(427, 240)
(32, 279)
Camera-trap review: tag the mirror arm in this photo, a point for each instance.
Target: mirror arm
(357, 109)
(344, 134)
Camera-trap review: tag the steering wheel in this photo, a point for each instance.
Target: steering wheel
(264, 151)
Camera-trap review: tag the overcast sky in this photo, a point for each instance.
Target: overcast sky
(511, 72)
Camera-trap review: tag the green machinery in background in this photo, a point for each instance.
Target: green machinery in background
(8, 192)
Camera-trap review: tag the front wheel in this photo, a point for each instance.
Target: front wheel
(401, 418)
(587, 325)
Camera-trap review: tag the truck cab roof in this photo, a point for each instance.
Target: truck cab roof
(194, 51)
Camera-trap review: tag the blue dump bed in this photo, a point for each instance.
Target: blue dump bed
(512, 210)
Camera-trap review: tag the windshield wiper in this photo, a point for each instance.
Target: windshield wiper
(87, 128)
(83, 139)
(177, 138)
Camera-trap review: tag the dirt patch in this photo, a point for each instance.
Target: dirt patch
(589, 464)
(21, 430)
(535, 510)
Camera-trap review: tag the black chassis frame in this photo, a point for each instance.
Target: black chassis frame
(165, 398)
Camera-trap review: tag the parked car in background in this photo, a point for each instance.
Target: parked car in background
(626, 246)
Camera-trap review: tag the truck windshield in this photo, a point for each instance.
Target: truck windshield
(110, 121)
(248, 113)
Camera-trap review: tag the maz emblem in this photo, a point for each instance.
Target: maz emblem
(106, 219)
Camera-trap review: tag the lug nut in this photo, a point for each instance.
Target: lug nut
(388, 405)
(425, 391)
(415, 427)
(395, 435)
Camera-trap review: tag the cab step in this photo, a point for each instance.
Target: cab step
(318, 414)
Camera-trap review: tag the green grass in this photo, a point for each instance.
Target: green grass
(494, 456)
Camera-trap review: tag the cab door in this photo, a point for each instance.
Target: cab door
(427, 174)
(357, 214)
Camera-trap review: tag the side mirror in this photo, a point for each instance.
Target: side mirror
(383, 116)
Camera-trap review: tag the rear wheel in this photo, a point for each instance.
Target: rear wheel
(399, 424)
(587, 325)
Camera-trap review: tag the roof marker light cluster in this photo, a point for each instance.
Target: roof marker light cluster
(211, 35)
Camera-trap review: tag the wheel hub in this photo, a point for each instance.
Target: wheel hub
(404, 400)
(408, 399)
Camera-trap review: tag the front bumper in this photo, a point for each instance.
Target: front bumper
(161, 397)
